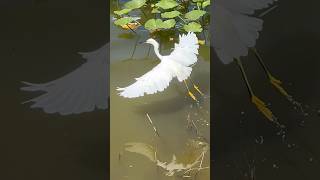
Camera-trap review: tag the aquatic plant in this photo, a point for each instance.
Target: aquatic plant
(162, 15)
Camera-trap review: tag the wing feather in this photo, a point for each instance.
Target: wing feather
(245, 6)
(156, 80)
(234, 30)
(79, 91)
(186, 51)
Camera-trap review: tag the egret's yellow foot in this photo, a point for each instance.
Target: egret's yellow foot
(263, 108)
(277, 84)
(192, 96)
(198, 89)
(189, 92)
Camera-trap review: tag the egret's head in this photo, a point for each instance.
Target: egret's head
(152, 41)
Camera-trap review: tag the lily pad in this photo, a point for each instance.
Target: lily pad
(206, 3)
(171, 14)
(154, 24)
(194, 14)
(123, 21)
(135, 4)
(167, 4)
(123, 11)
(168, 24)
(192, 27)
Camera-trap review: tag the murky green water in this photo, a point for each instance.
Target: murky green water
(169, 111)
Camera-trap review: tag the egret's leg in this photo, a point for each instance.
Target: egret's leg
(196, 88)
(254, 99)
(189, 92)
(134, 48)
(275, 82)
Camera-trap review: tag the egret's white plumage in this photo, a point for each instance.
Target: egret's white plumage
(176, 65)
(81, 90)
(234, 29)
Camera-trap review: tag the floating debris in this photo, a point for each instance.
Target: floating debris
(310, 159)
(153, 126)
(275, 166)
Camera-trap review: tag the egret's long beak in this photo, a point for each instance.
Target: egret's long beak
(141, 42)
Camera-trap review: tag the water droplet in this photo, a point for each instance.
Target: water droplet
(275, 166)
(310, 159)
(302, 123)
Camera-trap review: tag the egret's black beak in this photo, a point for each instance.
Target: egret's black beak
(141, 42)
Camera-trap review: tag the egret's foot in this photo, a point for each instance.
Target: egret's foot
(192, 96)
(263, 108)
(189, 92)
(198, 89)
(277, 84)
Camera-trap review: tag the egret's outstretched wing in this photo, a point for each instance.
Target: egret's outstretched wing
(152, 82)
(233, 34)
(82, 90)
(186, 51)
(245, 6)
(234, 31)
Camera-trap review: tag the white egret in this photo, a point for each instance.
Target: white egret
(176, 65)
(235, 30)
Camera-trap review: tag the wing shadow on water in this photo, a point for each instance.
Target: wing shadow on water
(82, 90)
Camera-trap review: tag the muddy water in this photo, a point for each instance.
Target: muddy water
(168, 110)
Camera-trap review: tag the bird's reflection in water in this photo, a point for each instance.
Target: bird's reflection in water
(236, 28)
(82, 90)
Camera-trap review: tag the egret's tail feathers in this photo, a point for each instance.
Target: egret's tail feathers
(184, 73)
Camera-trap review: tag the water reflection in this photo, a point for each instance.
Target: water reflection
(175, 116)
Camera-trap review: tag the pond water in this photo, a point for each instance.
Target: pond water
(170, 111)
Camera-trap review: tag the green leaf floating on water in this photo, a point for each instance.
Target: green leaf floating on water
(193, 27)
(194, 14)
(135, 4)
(123, 21)
(154, 24)
(123, 11)
(167, 4)
(171, 14)
(168, 24)
(206, 3)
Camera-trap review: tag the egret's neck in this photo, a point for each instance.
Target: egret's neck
(156, 50)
